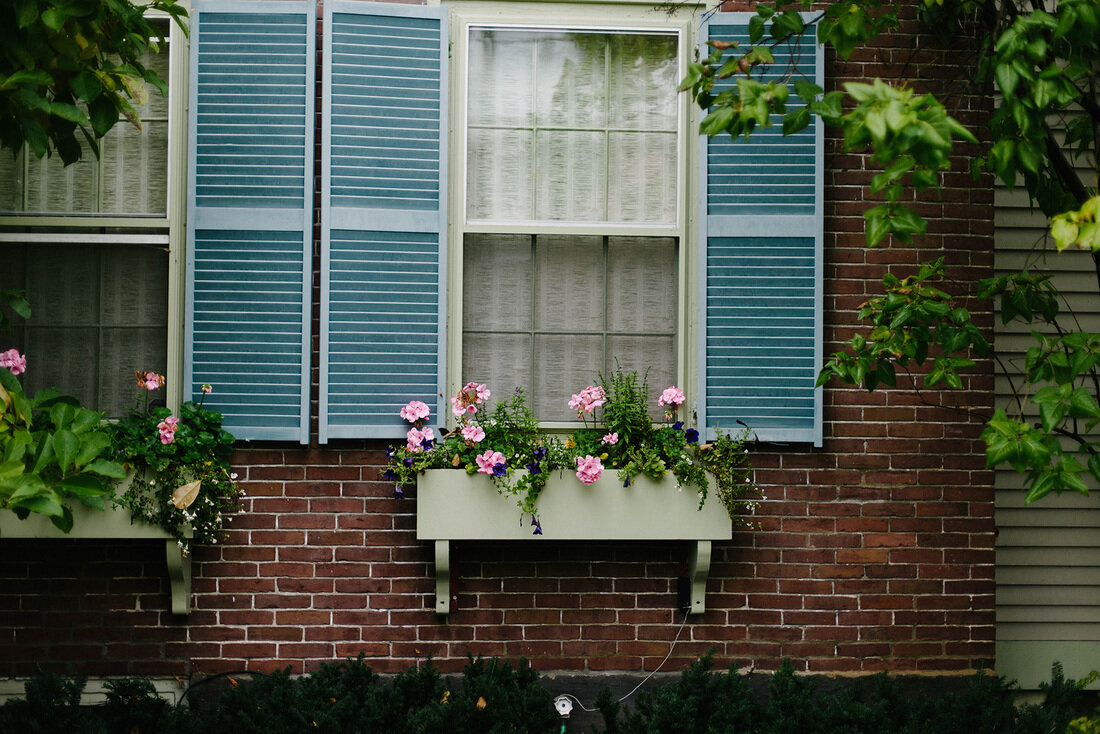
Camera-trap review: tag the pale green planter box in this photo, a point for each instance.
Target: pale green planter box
(114, 523)
(454, 505)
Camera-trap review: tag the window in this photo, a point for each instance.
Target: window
(91, 246)
(570, 223)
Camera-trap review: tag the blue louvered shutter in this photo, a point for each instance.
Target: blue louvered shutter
(383, 195)
(249, 214)
(761, 266)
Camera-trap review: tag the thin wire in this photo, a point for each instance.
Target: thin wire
(644, 680)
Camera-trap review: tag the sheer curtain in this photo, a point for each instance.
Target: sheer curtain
(579, 128)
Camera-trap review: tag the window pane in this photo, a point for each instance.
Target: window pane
(596, 302)
(55, 188)
(99, 313)
(11, 181)
(498, 271)
(571, 127)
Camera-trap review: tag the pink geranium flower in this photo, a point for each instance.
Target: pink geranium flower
(589, 469)
(671, 396)
(469, 397)
(491, 462)
(610, 439)
(414, 440)
(415, 411)
(14, 361)
(149, 381)
(473, 434)
(167, 428)
(588, 399)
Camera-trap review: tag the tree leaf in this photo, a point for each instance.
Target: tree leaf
(185, 494)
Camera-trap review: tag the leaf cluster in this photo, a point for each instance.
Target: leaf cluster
(912, 319)
(200, 451)
(52, 451)
(70, 69)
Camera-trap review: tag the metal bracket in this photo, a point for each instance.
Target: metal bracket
(442, 577)
(698, 570)
(179, 576)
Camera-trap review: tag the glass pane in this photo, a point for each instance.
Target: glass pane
(600, 109)
(572, 80)
(641, 71)
(569, 286)
(99, 313)
(499, 181)
(11, 181)
(564, 364)
(501, 361)
(648, 193)
(642, 283)
(55, 188)
(572, 170)
(501, 82)
(135, 168)
(497, 271)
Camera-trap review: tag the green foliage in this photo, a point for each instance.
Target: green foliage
(74, 68)
(907, 322)
(701, 701)
(52, 451)
(164, 474)
(348, 697)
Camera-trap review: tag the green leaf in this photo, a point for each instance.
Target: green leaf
(63, 521)
(53, 18)
(106, 468)
(1007, 79)
(716, 121)
(796, 120)
(1051, 415)
(103, 114)
(85, 85)
(35, 77)
(65, 446)
(26, 12)
(1042, 486)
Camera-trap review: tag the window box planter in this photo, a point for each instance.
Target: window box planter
(114, 523)
(453, 505)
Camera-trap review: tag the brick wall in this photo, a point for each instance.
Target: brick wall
(875, 552)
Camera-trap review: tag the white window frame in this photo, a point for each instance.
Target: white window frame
(613, 16)
(166, 230)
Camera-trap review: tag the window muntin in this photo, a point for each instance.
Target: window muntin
(581, 129)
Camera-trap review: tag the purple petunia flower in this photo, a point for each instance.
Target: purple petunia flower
(408, 461)
(627, 482)
(691, 435)
(389, 475)
(537, 525)
(389, 452)
(677, 425)
(427, 444)
(499, 470)
(533, 468)
(398, 493)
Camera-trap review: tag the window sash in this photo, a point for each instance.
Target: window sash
(604, 20)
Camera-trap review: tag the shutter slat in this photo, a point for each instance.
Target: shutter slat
(249, 215)
(383, 198)
(761, 226)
